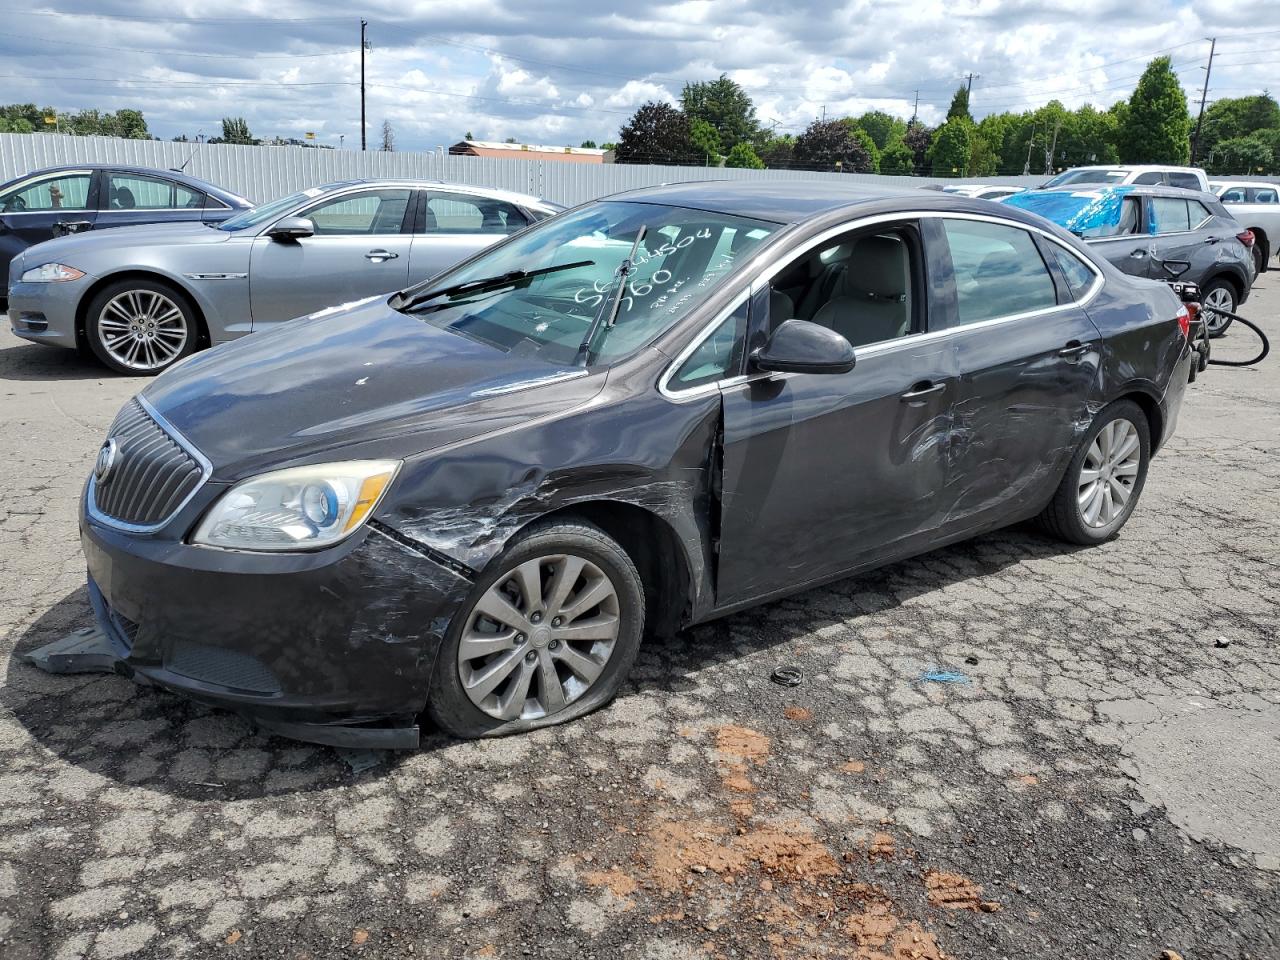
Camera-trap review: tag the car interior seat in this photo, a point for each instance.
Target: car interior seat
(870, 301)
(122, 198)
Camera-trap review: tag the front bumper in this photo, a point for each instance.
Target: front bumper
(335, 646)
(46, 312)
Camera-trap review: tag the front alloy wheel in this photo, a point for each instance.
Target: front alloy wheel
(539, 639)
(140, 327)
(548, 634)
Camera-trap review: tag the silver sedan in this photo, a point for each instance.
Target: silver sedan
(142, 298)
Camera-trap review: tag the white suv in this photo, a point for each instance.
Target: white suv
(1189, 178)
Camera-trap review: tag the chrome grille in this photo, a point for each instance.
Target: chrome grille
(153, 474)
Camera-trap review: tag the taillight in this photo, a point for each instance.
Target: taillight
(1184, 320)
(1246, 237)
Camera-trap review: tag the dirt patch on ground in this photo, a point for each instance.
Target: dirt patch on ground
(617, 882)
(853, 766)
(954, 892)
(742, 742)
(798, 714)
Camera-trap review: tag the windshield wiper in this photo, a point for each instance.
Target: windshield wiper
(399, 301)
(609, 303)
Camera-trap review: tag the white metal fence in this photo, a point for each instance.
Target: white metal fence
(263, 173)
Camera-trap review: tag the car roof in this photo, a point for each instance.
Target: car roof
(793, 201)
(416, 183)
(1247, 184)
(226, 196)
(1138, 189)
(1133, 167)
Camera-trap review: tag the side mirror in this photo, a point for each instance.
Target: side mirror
(291, 228)
(799, 346)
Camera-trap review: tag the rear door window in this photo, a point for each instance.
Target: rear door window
(132, 192)
(1149, 178)
(1188, 181)
(1197, 214)
(1266, 196)
(1169, 215)
(1080, 277)
(998, 271)
(1234, 195)
(463, 213)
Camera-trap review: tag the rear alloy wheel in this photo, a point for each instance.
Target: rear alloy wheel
(1218, 295)
(1104, 479)
(140, 327)
(548, 637)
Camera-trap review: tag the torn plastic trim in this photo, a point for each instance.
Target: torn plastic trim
(424, 550)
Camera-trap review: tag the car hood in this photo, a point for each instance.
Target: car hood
(121, 238)
(364, 381)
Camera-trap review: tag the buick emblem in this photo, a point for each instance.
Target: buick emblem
(106, 461)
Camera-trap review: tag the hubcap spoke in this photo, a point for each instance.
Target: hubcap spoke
(484, 682)
(588, 598)
(603, 627)
(583, 666)
(567, 573)
(513, 701)
(498, 608)
(529, 576)
(475, 646)
(549, 683)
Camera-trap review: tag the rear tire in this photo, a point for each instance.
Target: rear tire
(1217, 293)
(1259, 257)
(141, 327)
(1104, 480)
(544, 657)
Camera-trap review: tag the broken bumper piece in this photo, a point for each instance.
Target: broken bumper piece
(333, 647)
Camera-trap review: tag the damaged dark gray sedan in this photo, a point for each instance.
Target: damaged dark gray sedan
(475, 498)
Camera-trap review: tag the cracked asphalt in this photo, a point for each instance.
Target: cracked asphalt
(1104, 784)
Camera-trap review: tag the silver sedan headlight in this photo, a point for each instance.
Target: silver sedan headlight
(51, 273)
(302, 508)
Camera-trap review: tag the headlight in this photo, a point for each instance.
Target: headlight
(302, 508)
(51, 273)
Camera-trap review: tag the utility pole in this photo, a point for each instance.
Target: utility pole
(1204, 95)
(1053, 148)
(915, 111)
(364, 45)
(1026, 167)
(824, 113)
(969, 78)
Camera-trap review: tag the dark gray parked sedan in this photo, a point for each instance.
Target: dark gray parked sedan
(475, 497)
(1164, 233)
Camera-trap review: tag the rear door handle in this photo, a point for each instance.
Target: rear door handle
(921, 390)
(377, 256)
(1212, 239)
(1075, 349)
(1138, 254)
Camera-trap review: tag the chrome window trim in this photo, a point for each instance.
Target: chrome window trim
(206, 470)
(773, 267)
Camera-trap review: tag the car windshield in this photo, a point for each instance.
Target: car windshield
(1086, 213)
(683, 256)
(256, 215)
(1087, 176)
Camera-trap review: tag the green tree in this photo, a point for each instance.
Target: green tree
(1156, 127)
(129, 124)
(960, 104)
(919, 139)
(656, 133)
(952, 144)
(1233, 118)
(984, 161)
(743, 156)
(706, 141)
(725, 105)
(897, 160)
(778, 153)
(831, 145)
(868, 144)
(1252, 155)
(883, 128)
(235, 130)
(588, 145)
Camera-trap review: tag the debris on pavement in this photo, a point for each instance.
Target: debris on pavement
(787, 676)
(87, 650)
(1222, 643)
(361, 760)
(943, 676)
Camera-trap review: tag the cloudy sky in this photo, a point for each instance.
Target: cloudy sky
(563, 71)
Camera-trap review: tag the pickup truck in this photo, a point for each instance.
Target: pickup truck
(1256, 204)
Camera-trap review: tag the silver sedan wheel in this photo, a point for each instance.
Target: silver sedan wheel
(142, 330)
(1108, 474)
(539, 638)
(1222, 299)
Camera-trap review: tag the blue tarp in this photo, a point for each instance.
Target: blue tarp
(1086, 213)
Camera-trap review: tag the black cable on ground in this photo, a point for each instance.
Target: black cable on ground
(1266, 344)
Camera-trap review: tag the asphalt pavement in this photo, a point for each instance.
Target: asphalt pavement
(1099, 779)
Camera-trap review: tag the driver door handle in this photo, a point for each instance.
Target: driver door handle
(377, 256)
(1075, 349)
(1138, 254)
(1212, 239)
(921, 390)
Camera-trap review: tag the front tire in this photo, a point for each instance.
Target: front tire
(1104, 480)
(548, 634)
(140, 327)
(1219, 294)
